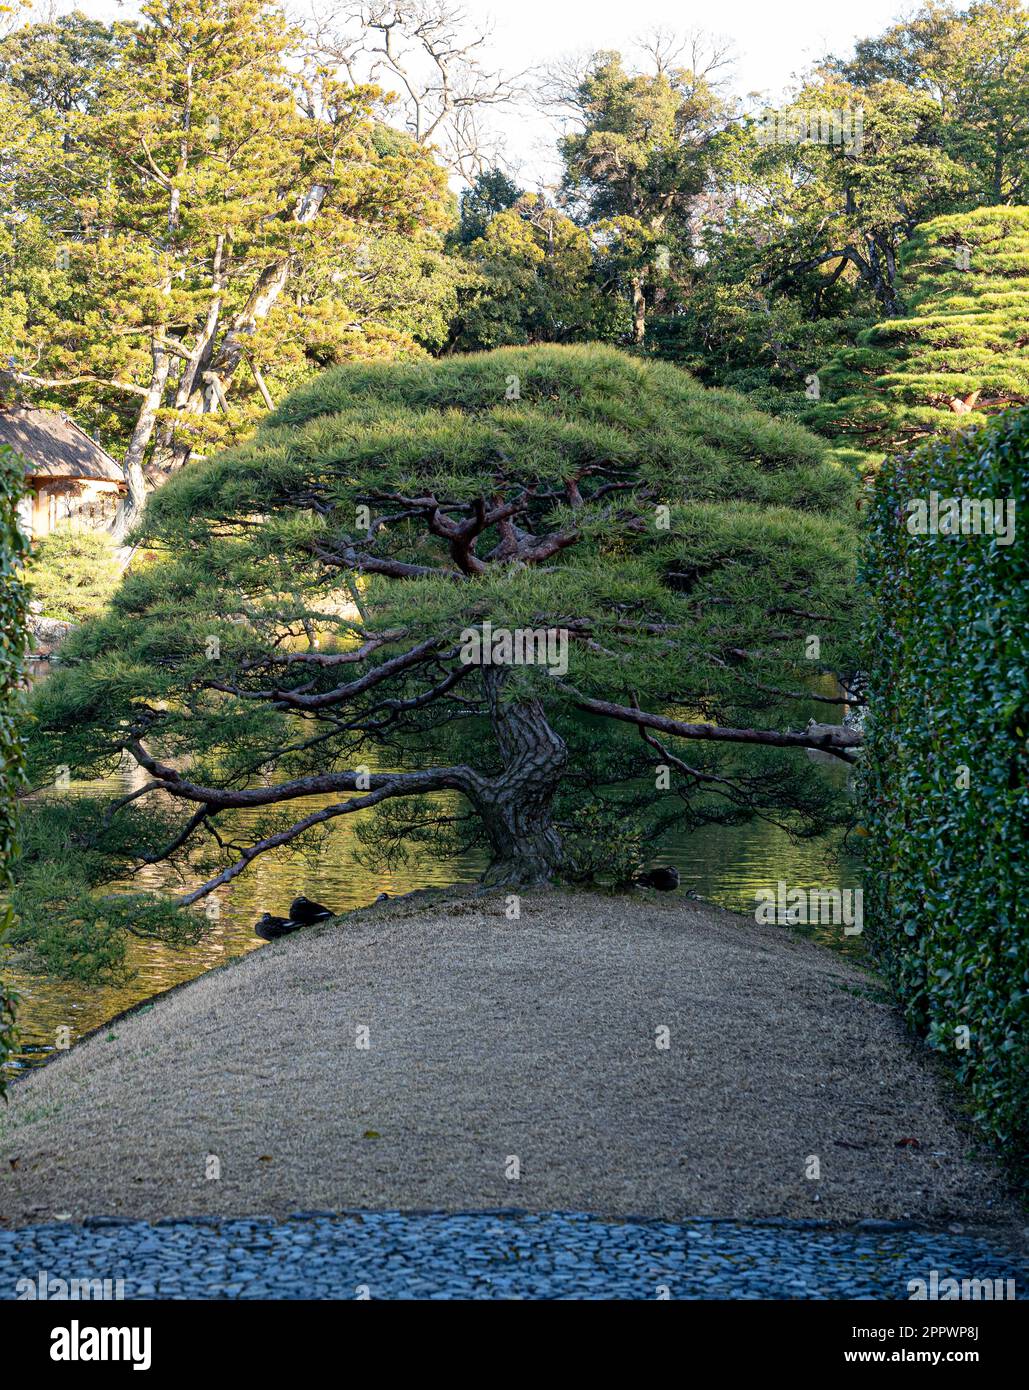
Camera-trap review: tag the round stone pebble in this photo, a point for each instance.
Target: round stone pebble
(491, 1255)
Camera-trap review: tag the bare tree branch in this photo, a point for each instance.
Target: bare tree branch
(437, 61)
(827, 738)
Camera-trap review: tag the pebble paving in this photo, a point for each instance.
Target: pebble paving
(493, 1255)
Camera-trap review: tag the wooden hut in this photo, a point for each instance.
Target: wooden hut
(73, 480)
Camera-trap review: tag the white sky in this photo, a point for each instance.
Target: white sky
(774, 42)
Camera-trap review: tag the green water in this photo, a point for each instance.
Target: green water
(724, 866)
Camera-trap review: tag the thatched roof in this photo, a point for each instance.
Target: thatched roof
(53, 446)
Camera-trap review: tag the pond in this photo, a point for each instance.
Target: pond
(726, 866)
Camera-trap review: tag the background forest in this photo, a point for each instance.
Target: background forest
(201, 209)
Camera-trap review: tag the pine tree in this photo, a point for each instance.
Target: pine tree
(957, 356)
(534, 277)
(218, 226)
(574, 565)
(642, 156)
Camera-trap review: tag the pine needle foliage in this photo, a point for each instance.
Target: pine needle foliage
(957, 356)
(679, 548)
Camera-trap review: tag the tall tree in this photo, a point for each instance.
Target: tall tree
(223, 225)
(60, 65)
(640, 155)
(436, 62)
(535, 277)
(974, 65)
(578, 566)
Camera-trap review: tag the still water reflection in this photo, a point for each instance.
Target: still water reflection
(726, 866)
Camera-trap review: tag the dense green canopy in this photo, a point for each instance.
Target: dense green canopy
(959, 353)
(682, 552)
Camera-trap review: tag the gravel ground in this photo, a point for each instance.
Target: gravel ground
(510, 1064)
(481, 1255)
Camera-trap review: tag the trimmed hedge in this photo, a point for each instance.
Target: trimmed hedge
(947, 894)
(74, 574)
(13, 620)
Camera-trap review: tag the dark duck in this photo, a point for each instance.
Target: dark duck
(664, 879)
(303, 911)
(271, 928)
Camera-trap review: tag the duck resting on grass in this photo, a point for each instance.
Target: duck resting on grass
(271, 928)
(664, 879)
(304, 911)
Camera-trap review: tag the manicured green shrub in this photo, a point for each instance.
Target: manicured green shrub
(12, 649)
(945, 782)
(957, 357)
(74, 574)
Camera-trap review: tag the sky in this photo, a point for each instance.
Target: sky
(774, 42)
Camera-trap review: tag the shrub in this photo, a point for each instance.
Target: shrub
(945, 785)
(12, 649)
(74, 574)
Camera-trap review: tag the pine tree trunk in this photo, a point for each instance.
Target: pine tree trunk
(131, 508)
(516, 806)
(639, 310)
(261, 301)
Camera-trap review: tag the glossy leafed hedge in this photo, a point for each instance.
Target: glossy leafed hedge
(12, 648)
(945, 783)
